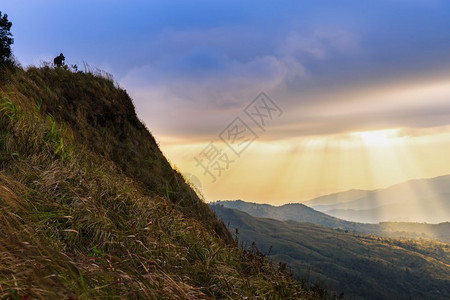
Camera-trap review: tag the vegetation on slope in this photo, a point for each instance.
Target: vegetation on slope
(102, 117)
(90, 208)
(363, 267)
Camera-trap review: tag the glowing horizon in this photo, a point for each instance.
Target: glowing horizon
(300, 170)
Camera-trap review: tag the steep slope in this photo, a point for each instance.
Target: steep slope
(90, 208)
(363, 267)
(302, 213)
(102, 117)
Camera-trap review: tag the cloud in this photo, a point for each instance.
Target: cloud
(192, 66)
(203, 74)
(201, 89)
(203, 83)
(320, 43)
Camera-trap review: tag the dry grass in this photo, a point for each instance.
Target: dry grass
(81, 219)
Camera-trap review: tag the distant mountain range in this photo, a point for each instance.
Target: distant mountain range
(401, 260)
(360, 266)
(420, 200)
(302, 213)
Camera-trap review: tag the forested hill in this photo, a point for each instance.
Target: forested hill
(359, 266)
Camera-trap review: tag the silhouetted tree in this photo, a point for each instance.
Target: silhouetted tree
(6, 39)
(59, 60)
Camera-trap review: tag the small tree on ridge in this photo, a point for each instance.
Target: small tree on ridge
(6, 39)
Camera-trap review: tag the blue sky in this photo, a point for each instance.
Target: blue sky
(192, 65)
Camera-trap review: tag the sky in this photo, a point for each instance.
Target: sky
(355, 95)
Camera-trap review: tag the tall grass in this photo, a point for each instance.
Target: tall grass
(85, 214)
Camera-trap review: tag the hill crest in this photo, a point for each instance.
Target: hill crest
(90, 208)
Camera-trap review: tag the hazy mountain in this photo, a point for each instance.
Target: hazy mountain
(416, 213)
(335, 198)
(363, 267)
(421, 200)
(302, 213)
(296, 212)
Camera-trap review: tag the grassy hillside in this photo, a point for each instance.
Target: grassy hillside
(302, 213)
(101, 117)
(363, 267)
(90, 208)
